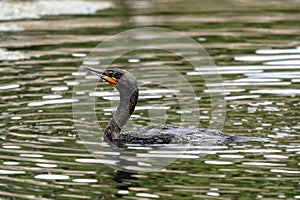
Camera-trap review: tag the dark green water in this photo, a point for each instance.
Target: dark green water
(256, 46)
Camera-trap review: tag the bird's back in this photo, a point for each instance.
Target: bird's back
(170, 134)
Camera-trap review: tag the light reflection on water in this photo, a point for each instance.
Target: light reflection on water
(7, 87)
(283, 62)
(278, 51)
(37, 9)
(53, 101)
(52, 177)
(40, 150)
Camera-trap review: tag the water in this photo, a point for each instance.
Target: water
(254, 43)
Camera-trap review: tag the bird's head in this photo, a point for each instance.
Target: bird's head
(111, 76)
(125, 83)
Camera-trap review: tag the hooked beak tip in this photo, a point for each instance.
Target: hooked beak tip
(100, 74)
(96, 71)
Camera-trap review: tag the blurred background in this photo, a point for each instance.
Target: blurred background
(255, 44)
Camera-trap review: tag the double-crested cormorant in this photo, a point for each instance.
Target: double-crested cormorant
(127, 86)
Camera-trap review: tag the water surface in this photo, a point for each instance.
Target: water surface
(256, 46)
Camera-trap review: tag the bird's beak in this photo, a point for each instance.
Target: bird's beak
(103, 75)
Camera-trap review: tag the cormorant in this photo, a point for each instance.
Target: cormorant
(127, 86)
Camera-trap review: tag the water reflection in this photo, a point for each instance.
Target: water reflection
(283, 62)
(7, 87)
(278, 51)
(8, 172)
(37, 9)
(42, 155)
(11, 163)
(6, 55)
(266, 58)
(278, 92)
(82, 180)
(49, 102)
(52, 177)
(46, 165)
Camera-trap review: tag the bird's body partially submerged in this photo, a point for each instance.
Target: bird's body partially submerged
(126, 84)
(170, 134)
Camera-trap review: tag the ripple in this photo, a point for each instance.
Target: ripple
(78, 73)
(36, 9)
(285, 171)
(271, 108)
(222, 72)
(91, 62)
(10, 27)
(72, 83)
(10, 163)
(262, 164)
(133, 60)
(102, 94)
(123, 192)
(54, 101)
(50, 140)
(107, 153)
(277, 51)
(296, 80)
(11, 147)
(231, 156)
(251, 109)
(214, 194)
(265, 103)
(281, 135)
(158, 91)
(265, 58)
(184, 111)
(247, 84)
(10, 55)
(247, 80)
(8, 172)
(97, 161)
(60, 88)
(250, 151)
(201, 39)
(147, 195)
(52, 177)
(85, 180)
(45, 165)
(242, 97)
(276, 156)
(177, 155)
(150, 97)
(281, 75)
(79, 55)
(7, 87)
(52, 96)
(226, 90)
(16, 118)
(277, 91)
(217, 162)
(261, 151)
(244, 68)
(32, 155)
(283, 62)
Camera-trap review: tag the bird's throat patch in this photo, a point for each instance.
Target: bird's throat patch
(111, 80)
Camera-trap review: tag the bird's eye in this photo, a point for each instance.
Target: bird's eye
(111, 73)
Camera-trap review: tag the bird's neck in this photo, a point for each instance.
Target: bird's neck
(128, 100)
